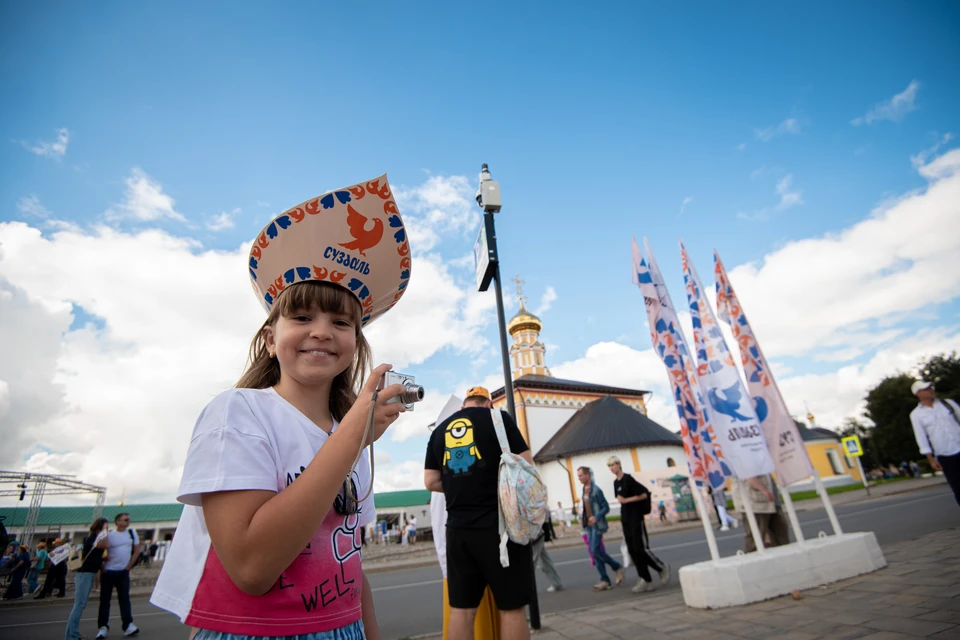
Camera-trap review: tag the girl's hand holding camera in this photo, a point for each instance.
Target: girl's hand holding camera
(385, 414)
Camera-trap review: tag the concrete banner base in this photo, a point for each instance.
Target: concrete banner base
(742, 579)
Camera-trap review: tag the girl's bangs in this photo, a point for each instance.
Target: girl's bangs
(328, 298)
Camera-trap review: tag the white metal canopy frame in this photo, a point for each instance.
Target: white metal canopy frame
(44, 484)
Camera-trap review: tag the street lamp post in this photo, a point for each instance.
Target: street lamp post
(488, 268)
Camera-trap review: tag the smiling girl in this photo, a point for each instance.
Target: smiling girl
(269, 542)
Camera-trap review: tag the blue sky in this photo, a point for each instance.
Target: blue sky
(599, 124)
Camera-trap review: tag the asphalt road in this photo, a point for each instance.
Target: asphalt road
(408, 601)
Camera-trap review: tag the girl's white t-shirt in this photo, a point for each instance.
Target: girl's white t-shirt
(254, 439)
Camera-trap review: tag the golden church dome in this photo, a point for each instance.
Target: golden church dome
(524, 320)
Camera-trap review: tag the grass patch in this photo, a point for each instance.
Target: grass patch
(808, 495)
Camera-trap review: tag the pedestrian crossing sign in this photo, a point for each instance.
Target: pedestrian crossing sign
(852, 446)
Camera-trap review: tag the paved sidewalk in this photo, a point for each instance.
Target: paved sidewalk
(917, 595)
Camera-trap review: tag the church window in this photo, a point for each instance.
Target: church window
(834, 461)
(671, 463)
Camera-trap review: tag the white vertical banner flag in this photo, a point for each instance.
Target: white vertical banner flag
(783, 438)
(704, 457)
(731, 408)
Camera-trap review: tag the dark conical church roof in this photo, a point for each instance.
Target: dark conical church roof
(602, 424)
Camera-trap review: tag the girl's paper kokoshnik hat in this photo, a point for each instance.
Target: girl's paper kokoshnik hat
(353, 237)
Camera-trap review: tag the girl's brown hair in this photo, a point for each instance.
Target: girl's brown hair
(97, 526)
(263, 371)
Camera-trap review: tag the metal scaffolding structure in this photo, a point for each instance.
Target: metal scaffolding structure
(42, 484)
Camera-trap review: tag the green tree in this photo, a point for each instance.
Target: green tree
(853, 427)
(944, 371)
(888, 406)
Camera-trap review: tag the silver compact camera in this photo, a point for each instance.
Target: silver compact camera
(413, 393)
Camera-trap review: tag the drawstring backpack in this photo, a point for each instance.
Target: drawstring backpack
(522, 502)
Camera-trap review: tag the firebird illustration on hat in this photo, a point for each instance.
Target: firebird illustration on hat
(353, 237)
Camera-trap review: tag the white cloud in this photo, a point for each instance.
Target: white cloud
(56, 148)
(546, 301)
(145, 200)
(683, 205)
(839, 394)
(618, 365)
(4, 398)
(790, 125)
(789, 196)
(893, 109)
(823, 293)
(261, 203)
(30, 205)
(945, 166)
(123, 392)
(224, 220)
(441, 205)
(399, 476)
(922, 157)
(31, 395)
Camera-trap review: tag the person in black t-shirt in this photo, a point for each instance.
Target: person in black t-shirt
(634, 499)
(92, 555)
(462, 462)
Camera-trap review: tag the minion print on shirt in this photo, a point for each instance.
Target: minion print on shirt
(460, 449)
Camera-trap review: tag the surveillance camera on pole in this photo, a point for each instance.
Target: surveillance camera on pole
(488, 193)
(488, 268)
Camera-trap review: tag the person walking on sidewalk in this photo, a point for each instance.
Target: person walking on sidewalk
(542, 560)
(36, 567)
(92, 558)
(21, 564)
(563, 518)
(762, 494)
(936, 426)
(634, 499)
(56, 577)
(122, 551)
(594, 522)
(720, 503)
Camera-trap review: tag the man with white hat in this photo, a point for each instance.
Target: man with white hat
(936, 426)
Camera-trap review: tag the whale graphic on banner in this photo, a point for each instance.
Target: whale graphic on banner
(733, 415)
(783, 438)
(705, 458)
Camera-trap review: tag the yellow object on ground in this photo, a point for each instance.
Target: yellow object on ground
(487, 624)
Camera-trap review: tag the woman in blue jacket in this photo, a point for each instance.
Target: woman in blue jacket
(594, 521)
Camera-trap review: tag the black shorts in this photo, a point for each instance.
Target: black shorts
(473, 562)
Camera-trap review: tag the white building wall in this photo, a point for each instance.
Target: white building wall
(653, 462)
(557, 480)
(544, 422)
(654, 458)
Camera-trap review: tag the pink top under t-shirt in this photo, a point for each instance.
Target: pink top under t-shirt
(254, 439)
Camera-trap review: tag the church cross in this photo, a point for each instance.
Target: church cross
(523, 299)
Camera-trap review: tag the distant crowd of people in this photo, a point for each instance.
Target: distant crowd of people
(101, 561)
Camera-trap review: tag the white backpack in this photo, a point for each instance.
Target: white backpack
(522, 496)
